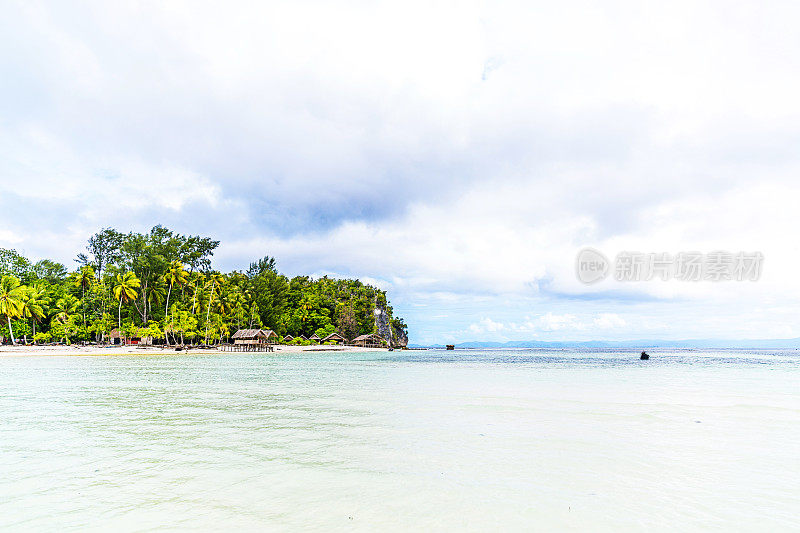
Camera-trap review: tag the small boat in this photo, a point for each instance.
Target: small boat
(644, 356)
(450, 346)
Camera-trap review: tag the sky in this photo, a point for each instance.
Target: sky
(458, 155)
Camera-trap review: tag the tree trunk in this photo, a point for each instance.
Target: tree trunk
(11, 331)
(144, 304)
(208, 313)
(83, 304)
(166, 307)
(119, 318)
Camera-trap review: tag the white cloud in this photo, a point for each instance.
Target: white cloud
(547, 323)
(458, 156)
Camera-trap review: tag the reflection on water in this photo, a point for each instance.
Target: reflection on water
(474, 439)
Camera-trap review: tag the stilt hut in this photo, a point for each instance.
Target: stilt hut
(335, 338)
(314, 338)
(302, 338)
(272, 337)
(252, 340)
(288, 338)
(250, 336)
(369, 341)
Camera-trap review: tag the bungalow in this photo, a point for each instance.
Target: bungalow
(254, 336)
(115, 337)
(302, 338)
(271, 336)
(335, 338)
(314, 338)
(371, 340)
(288, 338)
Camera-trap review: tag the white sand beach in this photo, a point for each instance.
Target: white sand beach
(77, 350)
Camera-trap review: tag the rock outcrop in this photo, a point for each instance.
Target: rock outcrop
(394, 336)
(400, 338)
(383, 325)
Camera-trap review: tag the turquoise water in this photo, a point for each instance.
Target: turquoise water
(466, 440)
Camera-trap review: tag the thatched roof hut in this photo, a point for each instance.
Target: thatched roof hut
(288, 338)
(335, 337)
(116, 337)
(302, 337)
(314, 338)
(254, 336)
(370, 340)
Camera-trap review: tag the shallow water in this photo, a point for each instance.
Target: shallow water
(429, 440)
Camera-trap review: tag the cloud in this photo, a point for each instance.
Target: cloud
(456, 156)
(548, 322)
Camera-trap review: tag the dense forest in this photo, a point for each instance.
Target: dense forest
(161, 285)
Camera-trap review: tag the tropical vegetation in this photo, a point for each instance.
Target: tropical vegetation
(162, 285)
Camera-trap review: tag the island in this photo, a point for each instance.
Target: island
(159, 289)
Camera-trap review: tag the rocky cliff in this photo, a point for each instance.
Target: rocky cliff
(400, 339)
(383, 323)
(384, 327)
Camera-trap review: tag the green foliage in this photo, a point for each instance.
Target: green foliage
(161, 284)
(13, 263)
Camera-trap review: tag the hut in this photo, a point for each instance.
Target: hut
(115, 337)
(302, 338)
(271, 336)
(371, 340)
(335, 338)
(314, 338)
(288, 338)
(251, 336)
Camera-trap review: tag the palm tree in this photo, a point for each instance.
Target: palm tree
(125, 290)
(84, 280)
(214, 281)
(155, 295)
(33, 300)
(175, 276)
(11, 293)
(64, 308)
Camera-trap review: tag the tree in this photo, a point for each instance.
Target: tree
(156, 295)
(64, 308)
(176, 276)
(32, 306)
(348, 324)
(125, 291)
(13, 263)
(11, 295)
(215, 280)
(83, 280)
(49, 271)
(105, 248)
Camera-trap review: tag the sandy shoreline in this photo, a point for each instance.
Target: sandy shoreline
(23, 351)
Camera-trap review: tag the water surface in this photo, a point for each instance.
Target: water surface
(429, 440)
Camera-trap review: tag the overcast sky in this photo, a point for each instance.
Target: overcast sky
(457, 155)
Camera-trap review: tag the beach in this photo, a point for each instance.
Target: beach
(109, 350)
(471, 440)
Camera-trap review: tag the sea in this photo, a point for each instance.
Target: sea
(463, 440)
